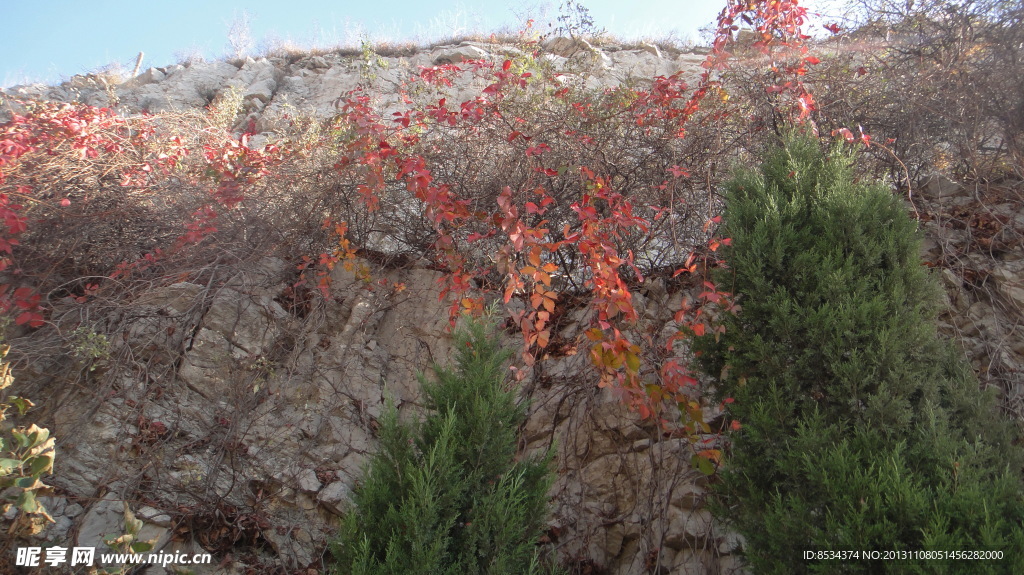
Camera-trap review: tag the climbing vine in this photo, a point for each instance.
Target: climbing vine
(567, 218)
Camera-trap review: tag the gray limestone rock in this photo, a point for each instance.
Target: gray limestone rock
(457, 54)
(335, 497)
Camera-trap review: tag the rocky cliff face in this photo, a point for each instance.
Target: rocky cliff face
(240, 427)
(235, 421)
(975, 243)
(275, 86)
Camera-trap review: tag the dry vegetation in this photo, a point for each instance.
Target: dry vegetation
(940, 97)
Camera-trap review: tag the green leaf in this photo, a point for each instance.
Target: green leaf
(37, 435)
(702, 464)
(21, 404)
(115, 541)
(27, 502)
(7, 466)
(40, 464)
(141, 546)
(21, 438)
(26, 482)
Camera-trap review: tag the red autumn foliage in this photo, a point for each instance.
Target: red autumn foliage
(577, 192)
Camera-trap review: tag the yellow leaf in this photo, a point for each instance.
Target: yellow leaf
(613, 359)
(632, 362)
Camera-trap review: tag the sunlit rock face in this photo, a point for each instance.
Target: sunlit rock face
(315, 82)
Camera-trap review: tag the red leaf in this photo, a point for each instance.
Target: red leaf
(678, 172)
(864, 137)
(845, 133)
(476, 236)
(537, 150)
(31, 318)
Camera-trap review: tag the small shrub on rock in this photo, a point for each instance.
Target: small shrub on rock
(447, 495)
(861, 429)
(26, 455)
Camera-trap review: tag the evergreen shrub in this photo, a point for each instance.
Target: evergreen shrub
(861, 429)
(446, 495)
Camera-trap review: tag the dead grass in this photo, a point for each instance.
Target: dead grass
(292, 52)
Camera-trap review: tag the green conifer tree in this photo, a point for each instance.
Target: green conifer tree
(446, 496)
(861, 429)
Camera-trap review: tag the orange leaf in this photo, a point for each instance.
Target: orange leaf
(543, 337)
(714, 455)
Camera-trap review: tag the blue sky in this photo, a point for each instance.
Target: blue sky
(51, 40)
